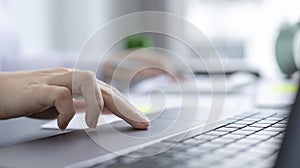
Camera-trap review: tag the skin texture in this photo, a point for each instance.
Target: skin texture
(58, 93)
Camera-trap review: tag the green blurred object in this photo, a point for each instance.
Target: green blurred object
(138, 41)
(284, 50)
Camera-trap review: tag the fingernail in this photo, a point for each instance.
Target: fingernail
(145, 123)
(142, 125)
(61, 126)
(93, 124)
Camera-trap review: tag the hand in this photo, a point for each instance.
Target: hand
(135, 65)
(49, 94)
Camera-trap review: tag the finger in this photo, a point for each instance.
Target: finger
(106, 111)
(83, 83)
(79, 106)
(50, 113)
(117, 104)
(61, 99)
(54, 70)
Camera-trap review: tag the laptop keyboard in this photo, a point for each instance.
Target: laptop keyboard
(247, 140)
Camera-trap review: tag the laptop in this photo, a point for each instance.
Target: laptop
(256, 139)
(266, 139)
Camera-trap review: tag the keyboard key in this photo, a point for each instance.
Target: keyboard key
(254, 154)
(250, 128)
(243, 132)
(234, 125)
(241, 124)
(240, 145)
(256, 151)
(252, 120)
(274, 141)
(234, 148)
(205, 137)
(245, 122)
(215, 133)
(206, 160)
(233, 136)
(273, 119)
(179, 157)
(266, 162)
(245, 158)
(274, 129)
(209, 146)
(194, 163)
(265, 133)
(266, 122)
(279, 136)
(224, 129)
(223, 140)
(221, 153)
(152, 150)
(259, 125)
(279, 125)
(283, 122)
(249, 141)
(264, 115)
(265, 144)
(196, 151)
(267, 147)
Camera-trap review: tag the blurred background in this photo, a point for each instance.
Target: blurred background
(51, 33)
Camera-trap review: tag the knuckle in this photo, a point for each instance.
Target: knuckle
(88, 75)
(33, 87)
(110, 91)
(115, 90)
(101, 105)
(63, 69)
(50, 89)
(63, 93)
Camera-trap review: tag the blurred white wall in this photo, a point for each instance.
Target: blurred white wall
(31, 22)
(64, 25)
(57, 25)
(253, 22)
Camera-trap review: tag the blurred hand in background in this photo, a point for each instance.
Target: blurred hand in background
(129, 67)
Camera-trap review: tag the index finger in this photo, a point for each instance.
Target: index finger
(117, 104)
